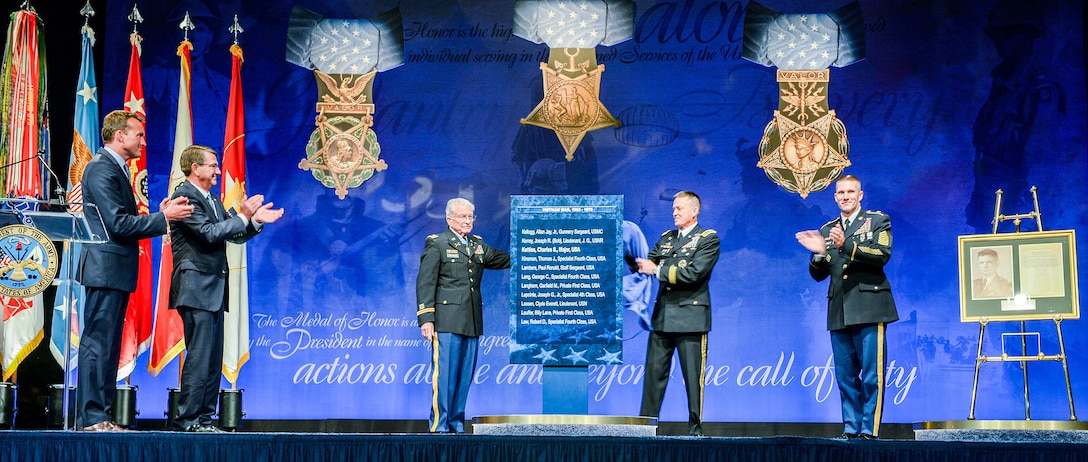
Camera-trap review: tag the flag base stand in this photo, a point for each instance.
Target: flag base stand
(7, 405)
(54, 415)
(172, 407)
(230, 409)
(124, 406)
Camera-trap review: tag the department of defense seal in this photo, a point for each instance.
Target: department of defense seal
(28, 261)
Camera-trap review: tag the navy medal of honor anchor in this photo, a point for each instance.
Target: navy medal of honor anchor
(28, 261)
(571, 105)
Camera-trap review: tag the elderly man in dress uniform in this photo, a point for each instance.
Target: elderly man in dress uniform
(450, 310)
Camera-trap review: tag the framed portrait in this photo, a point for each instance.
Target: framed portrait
(1018, 276)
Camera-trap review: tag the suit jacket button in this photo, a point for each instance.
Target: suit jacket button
(443, 302)
(695, 302)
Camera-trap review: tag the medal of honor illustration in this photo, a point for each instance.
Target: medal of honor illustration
(343, 151)
(28, 261)
(571, 105)
(804, 147)
(346, 56)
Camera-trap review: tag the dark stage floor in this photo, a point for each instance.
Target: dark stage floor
(281, 446)
(343, 440)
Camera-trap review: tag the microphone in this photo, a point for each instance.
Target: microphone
(60, 192)
(62, 195)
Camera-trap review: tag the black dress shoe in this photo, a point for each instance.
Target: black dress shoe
(204, 428)
(847, 436)
(866, 436)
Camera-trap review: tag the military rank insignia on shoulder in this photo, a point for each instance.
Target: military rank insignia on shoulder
(876, 212)
(709, 232)
(666, 232)
(431, 236)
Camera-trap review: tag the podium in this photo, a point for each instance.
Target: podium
(58, 222)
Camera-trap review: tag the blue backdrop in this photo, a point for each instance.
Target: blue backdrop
(953, 101)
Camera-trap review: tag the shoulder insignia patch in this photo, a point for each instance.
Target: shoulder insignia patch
(876, 212)
(666, 232)
(477, 236)
(432, 236)
(709, 232)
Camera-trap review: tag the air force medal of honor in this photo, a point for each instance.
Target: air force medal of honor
(28, 261)
(346, 56)
(804, 147)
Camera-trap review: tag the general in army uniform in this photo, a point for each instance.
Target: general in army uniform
(852, 250)
(450, 310)
(682, 261)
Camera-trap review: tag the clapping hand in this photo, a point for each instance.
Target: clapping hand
(813, 241)
(177, 208)
(266, 214)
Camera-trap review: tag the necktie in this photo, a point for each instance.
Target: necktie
(215, 210)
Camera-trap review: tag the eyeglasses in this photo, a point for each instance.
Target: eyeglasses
(213, 166)
(464, 217)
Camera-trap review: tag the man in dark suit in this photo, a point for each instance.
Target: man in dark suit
(109, 270)
(853, 250)
(450, 310)
(198, 285)
(682, 261)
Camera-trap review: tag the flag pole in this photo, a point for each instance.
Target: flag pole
(185, 26)
(74, 194)
(236, 29)
(233, 192)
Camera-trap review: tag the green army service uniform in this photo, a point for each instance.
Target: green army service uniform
(448, 294)
(681, 318)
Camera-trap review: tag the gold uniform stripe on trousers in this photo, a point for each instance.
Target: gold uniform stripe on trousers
(702, 376)
(434, 381)
(880, 378)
